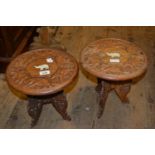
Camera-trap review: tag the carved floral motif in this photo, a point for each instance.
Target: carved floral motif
(23, 76)
(96, 58)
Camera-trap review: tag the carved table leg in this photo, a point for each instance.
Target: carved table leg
(36, 103)
(60, 104)
(34, 109)
(122, 91)
(103, 89)
(121, 88)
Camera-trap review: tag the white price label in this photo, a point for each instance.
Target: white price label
(45, 72)
(115, 60)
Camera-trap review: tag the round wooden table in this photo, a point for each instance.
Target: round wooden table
(115, 63)
(42, 75)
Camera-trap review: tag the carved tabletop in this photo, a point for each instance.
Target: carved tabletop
(114, 59)
(41, 72)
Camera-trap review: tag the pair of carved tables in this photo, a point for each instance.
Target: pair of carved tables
(42, 74)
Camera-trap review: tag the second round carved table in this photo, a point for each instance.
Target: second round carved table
(42, 75)
(115, 63)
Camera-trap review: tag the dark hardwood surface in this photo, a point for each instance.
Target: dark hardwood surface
(14, 40)
(81, 95)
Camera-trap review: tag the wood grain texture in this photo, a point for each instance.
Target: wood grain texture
(23, 73)
(99, 58)
(81, 96)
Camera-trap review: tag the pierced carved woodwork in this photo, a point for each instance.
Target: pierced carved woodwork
(122, 89)
(34, 109)
(114, 59)
(23, 76)
(115, 63)
(36, 103)
(104, 87)
(59, 102)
